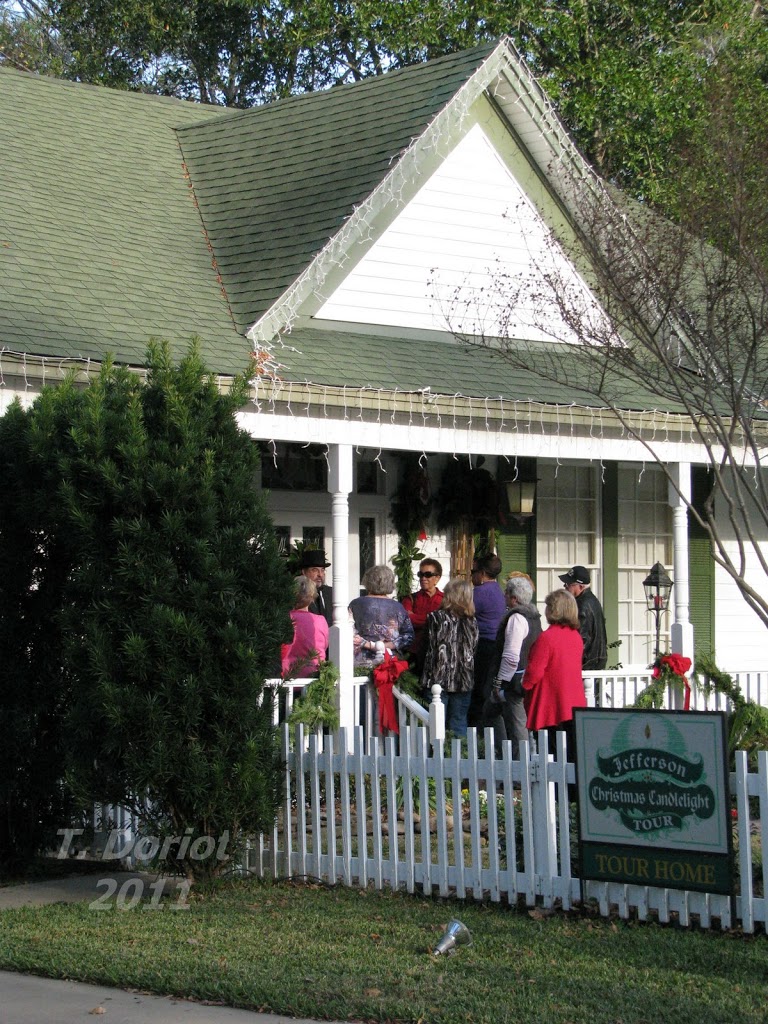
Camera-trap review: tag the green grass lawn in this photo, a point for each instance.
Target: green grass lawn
(340, 953)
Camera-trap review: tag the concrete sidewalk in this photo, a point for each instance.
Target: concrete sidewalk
(25, 999)
(72, 889)
(28, 999)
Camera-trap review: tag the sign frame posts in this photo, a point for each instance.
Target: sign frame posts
(654, 798)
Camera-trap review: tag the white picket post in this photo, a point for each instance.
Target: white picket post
(436, 716)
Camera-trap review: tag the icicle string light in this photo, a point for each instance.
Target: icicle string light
(501, 419)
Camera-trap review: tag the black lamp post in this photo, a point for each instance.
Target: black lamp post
(657, 586)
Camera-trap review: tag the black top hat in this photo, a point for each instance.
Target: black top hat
(313, 559)
(578, 574)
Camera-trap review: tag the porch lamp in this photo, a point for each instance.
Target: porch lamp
(657, 586)
(521, 495)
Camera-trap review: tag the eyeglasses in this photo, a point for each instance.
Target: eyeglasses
(427, 575)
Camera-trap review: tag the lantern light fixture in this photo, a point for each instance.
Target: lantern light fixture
(658, 587)
(521, 496)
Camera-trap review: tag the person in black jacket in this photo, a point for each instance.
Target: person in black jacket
(591, 618)
(313, 566)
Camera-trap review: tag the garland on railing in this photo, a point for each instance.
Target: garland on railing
(316, 707)
(747, 722)
(410, 684)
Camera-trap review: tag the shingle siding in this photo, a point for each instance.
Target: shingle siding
(101, 245)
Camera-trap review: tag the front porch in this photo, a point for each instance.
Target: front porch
(616, 517)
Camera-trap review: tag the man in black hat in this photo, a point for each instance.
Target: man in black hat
(591, 618)
(313, 566)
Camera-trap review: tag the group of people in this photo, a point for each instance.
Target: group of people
(484, 646)
(488, 651)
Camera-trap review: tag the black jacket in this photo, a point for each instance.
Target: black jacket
(592, 629)
(323, 605)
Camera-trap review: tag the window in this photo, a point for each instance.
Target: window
(293, 467)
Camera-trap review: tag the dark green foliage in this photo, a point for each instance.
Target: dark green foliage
(409, 512)
(747, 721)
(175, 600)
(35, 690)
(467, 496)
(409, 683)
(627, 76)
(412, 502)
(408, 552)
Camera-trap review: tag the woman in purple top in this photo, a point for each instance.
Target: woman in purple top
(490, 609)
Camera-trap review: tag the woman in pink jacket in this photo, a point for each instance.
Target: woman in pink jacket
(301, 658)
(552, 684)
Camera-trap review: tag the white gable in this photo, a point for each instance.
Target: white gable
(454, 254)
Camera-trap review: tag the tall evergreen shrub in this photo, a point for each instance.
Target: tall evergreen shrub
(34, 686)
(175, 601)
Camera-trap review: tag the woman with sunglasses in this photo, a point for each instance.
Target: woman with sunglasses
(419, 605)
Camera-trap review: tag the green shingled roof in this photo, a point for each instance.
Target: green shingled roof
(275, 183)
(125, 217)
(101, 245)
(444, 365)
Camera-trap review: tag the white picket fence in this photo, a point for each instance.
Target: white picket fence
(349, 816)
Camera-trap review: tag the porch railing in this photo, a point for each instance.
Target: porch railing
(610, 688)
(411, 715)
(619, 688)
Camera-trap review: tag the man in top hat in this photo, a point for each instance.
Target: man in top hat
(591, 618)
(313, 566)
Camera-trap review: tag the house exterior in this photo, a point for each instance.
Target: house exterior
(348, 245)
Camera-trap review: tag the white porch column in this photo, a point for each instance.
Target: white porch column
(340, 486)
(682, 630)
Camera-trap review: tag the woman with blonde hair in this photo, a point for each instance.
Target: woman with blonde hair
(552, 684)
(452, 636)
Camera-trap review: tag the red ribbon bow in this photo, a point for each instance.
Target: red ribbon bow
(678, 664)
(385, 676)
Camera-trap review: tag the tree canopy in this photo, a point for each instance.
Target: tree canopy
(626, 75)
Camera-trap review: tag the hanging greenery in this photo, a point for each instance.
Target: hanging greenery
(408, 552)
(468, 497)
(412, 501)
(409, 512)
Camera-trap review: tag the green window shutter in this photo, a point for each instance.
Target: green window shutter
(516, 542)
(513, 550)
(701, 570)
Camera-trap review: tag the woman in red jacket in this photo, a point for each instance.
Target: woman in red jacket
(552, 684)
